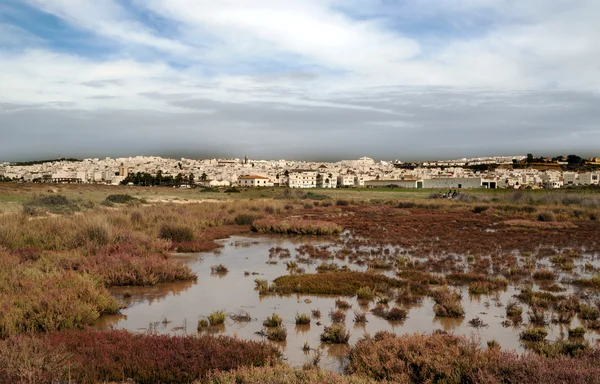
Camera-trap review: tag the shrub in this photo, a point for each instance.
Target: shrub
(533, 334)
(332, 283)
(124, 266)
(342, 203)
(284, 374)
(327, 267)
(120, 199)
(396, 314)
(537, 316)
(480, 208)
(447, 303)
(587, 312)
(202, 323)
(33, 300)
(365, 293)
(342, 304)
(57, 204)
(577, 332)
(176, 233)
(360, 317)
(513, 309)
(338, 316)
(232, 190)
(278, 333)
(444, 358)
(335, 334)
(303, 318)
(407, 204)
(273, 321)
(216, 318)
(110, 356)
(219, 269)
(544, 274)
(245, 219)
(296, 227)
(546, 217)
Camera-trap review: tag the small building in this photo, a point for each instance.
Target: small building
(453, 183)
(345, 181)
(254, 181)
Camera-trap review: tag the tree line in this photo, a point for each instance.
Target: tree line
(147, 179)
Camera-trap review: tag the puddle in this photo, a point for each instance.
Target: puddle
(176, 308)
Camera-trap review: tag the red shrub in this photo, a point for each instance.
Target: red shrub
(117, 355)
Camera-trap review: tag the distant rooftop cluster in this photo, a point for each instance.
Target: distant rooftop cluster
(488, 172)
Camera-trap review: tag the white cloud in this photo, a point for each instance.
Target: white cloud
(298, 58)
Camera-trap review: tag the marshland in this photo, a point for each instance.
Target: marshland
(160, 285)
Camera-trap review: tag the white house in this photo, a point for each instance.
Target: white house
(345, 181)
(302, 179)
(213, 183)
(254, 181)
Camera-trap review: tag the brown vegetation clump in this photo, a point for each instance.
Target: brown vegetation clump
(447, 303)
(447, 358)
(37, 300)
(394, 314)
(335, 334)
(335, 283)
(296, 227)
(285, 374)
(338, 316)
(90, 357)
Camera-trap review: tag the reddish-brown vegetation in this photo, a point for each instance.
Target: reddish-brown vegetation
(451, 359)
(107, 356)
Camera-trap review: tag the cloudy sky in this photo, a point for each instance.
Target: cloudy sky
(322, 79)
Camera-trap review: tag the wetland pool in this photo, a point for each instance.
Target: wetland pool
(176, 308)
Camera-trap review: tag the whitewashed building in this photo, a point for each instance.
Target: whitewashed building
(302, 179)
(254, 181)
(453, 183)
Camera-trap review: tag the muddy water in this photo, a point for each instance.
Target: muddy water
(176, 308)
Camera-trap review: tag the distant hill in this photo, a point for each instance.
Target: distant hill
(25, 163)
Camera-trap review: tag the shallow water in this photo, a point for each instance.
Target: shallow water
(176, 308)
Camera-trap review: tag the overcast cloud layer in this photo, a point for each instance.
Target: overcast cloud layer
(323, 79)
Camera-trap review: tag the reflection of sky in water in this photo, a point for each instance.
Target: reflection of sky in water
(176, 308)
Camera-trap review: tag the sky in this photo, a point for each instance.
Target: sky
(299, 79)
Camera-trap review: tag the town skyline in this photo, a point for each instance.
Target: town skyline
(191, 156)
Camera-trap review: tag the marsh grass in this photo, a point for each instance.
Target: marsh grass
(56, 204)
(277, 333)
(335, 334)
(447, 303)
(346, 283)
(533, 334)
(577, 332)
(303, 318)
(216, 318)
(273, 321)
(296, 227)
(89, 357)
(338, 316)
